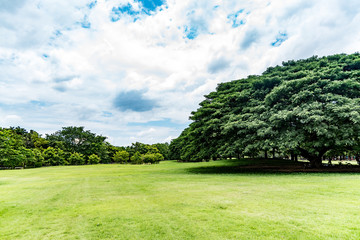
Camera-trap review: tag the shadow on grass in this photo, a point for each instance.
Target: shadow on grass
(269, 166)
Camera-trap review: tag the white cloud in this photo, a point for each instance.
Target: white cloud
(74, 73)
(10, 119)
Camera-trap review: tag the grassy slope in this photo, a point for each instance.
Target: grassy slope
(175, 201)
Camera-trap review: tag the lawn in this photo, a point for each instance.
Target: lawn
(174, 200)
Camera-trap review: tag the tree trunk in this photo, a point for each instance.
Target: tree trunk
(266, 154)
(357, 157)
(273, 152)
(315, 160)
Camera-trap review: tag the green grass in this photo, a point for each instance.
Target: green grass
(176, 201)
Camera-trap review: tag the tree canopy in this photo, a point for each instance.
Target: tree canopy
(76, 139)
(308, 107)
(71, 146)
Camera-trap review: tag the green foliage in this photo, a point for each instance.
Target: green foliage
(158, 157)
(38, 159)
(71, 145)
(139, 147)
(163, 149)
(76, 159)
(121, 157)
(148, 158)
(136, 158)
(112, 150)
(94, 159)
(152, 158)
(146, 149)
(76, 139)
(308, 106)
(54, 157)
(37, 141)
(151, 149)
(12, 149)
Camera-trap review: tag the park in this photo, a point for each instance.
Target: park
(179, 120)
(172, 200)
(273, 156)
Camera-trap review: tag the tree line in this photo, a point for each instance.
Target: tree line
(308, 107)
(71, 146)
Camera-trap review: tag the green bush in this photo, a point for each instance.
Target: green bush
(158, 157)
(148, 158)
(136, 158)
(39, 158)
(38, 164)
(34, 158)
(152, 158)
(54, 156)
(94, 159)
(121, 157)
(76, 159)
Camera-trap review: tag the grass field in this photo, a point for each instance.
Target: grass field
(177, 201)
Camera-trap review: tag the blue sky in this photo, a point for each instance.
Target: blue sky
(134, 70)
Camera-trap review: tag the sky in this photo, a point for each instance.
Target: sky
(133, 70)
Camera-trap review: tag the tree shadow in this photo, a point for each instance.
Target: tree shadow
(270, 167)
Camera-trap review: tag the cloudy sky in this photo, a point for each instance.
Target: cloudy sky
(133, 70)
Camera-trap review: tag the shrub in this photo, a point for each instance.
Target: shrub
(158, 157)
(121, 157)
(76, 159)
(152, 158)
(34, 158)
(54, 156)
(136, 158)
(94, 159)
(39, 158)
(148, 158)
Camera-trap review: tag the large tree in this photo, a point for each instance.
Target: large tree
(76, 139)
(13, 151)
(308, 106)
(314, 115)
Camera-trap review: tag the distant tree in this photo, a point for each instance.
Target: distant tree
(12, 149)
(151, 149)
(158, 157)
(54, 157)
(112, 150)
(38, 141)
(163, 149)
(136, 158)
(175, 147)
(138, 147)
(30, 159)
(121, 157)
(71, 145)
(152, 158)
(94, 159)
(142, 149)
(148, 158)
(25, 135)
(77, 159)
(38, 159)
(185, 147)
(76, 139)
